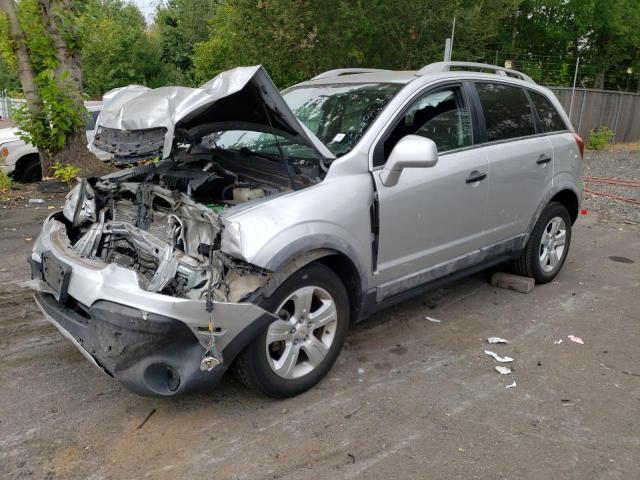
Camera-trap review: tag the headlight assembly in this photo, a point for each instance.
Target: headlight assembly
(80, 204)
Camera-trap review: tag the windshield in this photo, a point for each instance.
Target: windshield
(338, 114)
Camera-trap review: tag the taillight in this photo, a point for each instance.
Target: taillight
(580, 144)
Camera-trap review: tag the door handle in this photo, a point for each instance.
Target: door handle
(476, 176)
(542, 160)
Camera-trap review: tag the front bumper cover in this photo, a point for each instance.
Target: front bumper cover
(152, 343)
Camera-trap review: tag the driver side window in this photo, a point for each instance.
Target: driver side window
(441, 116)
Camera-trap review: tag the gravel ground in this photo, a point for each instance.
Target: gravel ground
(620, 164)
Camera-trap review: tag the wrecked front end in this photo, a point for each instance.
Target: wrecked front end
(133, 275)
(140, 270)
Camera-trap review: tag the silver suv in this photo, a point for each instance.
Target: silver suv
(258, 225)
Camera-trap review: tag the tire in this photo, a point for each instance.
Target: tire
(30, 170)
(270, 368)
(544, 260)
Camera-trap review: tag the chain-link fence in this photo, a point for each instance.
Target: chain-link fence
(620, 111)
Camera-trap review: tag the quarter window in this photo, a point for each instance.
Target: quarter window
(549, 116)
(441, 116)
(507, 112)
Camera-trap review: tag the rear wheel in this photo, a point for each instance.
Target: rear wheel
(296, 351)
(548, 245)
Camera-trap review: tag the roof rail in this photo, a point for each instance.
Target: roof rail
(338, 72)
(439, 67)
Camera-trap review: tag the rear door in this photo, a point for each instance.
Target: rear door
(520, 159)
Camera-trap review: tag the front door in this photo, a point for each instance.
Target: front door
(432, 215)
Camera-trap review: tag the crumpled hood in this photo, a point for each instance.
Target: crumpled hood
(241, 98)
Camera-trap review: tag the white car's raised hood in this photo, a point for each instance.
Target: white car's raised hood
(244, 98)
(8, 135)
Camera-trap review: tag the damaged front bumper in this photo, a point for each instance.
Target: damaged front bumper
(151, 342)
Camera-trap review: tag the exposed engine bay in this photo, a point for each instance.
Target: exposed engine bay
(164, 220)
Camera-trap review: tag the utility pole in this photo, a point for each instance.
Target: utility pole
(448, 44)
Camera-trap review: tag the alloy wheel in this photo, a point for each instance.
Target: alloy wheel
(299, 341)
(552, 244)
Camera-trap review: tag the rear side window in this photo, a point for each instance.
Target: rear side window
(507, 112)
(549, 116)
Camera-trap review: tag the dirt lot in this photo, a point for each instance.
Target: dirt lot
(408, 398)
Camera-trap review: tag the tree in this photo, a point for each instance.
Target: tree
(180, 25)
(42, 38)
(117, 49)
(297, 39)
(545, 37)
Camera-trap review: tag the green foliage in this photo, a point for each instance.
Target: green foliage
(8, 75)
(117, 49)
(62, 113)
(6, 182)
(297, 39)
(544, 37)
(65, 172)
(600, 138)
(179, 25)
(190, 42)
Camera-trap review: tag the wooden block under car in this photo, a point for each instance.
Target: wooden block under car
(513, 282)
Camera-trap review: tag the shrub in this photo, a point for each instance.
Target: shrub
(6, 182)
(65, 172)
(600, 138)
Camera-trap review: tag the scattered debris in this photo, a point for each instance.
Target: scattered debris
(50, 207)
(503, 370)
(153, 410)
(28, 239)
(557, 342)
(511, 385)
(434, 320)
(496, 340)
(36, 201)
(513, 282)
(616, 258)
(575, 339)
(361, 371)
(500, 359)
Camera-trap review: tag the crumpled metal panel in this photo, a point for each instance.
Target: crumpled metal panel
(139, 108)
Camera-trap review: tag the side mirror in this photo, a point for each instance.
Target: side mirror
(412, 151)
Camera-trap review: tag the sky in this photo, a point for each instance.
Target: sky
(147, 7)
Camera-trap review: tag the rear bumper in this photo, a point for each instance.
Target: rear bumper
(152, 343)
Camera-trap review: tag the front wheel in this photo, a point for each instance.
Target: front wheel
(548, 245)
(30, 170)
(296, 351)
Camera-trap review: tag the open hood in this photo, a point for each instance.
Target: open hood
(137, 122)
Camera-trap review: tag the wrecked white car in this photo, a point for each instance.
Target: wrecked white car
(258, 225)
